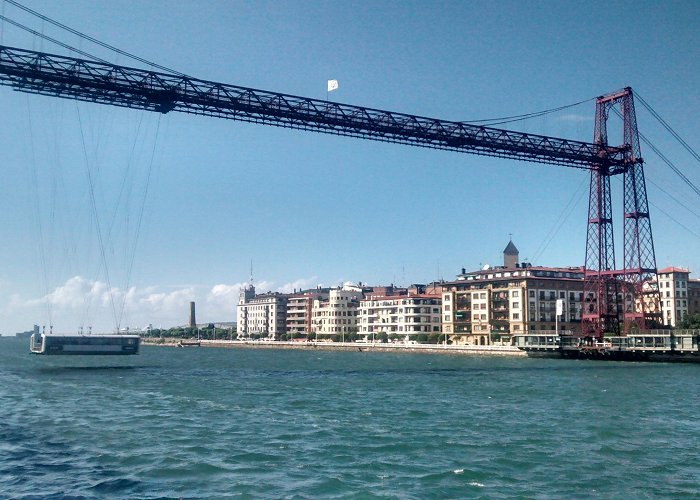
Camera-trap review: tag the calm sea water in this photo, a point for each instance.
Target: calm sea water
(214, 423)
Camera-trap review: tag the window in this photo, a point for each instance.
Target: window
(532, 294)
(483, 316)
(515, 294)
(516, 305)
(516, 315)
(482, 295)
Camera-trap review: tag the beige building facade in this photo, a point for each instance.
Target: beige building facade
(489, 306)
(300, 311)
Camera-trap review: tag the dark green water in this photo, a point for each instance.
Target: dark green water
(213, 423)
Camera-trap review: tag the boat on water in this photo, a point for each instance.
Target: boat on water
(93, 344)
(188, 343)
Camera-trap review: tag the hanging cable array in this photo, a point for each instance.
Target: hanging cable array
(104, 234)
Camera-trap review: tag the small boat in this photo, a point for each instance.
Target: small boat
(188, 343)
(97, 344)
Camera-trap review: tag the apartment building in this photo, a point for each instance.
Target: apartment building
(491, 304)
(300, 310)
(693, 296)
(403, 314)
(336, 314)
(675, 290)
(262, 315)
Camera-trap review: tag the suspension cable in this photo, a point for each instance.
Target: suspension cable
(37, 208)
(663, 122)
(97, 220)
(52, 40)
(664, 159)
(132, 256)
(526, 116)
(561, 220)
(91, 39)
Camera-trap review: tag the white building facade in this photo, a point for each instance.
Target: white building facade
(675, 294)
(261, 316)
(338, 313)
(405, 316)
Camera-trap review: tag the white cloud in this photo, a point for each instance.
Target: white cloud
(300, 284)
(82, 302)
(575, 118)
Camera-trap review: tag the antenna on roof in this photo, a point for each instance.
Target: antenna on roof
(251, 272)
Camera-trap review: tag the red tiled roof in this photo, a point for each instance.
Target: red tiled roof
(673, 269)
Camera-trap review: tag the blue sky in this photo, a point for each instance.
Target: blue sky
(308, 208)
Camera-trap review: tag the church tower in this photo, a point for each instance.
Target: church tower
(510, 256)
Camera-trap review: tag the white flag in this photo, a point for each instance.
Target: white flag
(332, 85)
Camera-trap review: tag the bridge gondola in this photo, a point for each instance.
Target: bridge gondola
(97, 344)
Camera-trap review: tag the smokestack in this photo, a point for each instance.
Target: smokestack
(193, 320)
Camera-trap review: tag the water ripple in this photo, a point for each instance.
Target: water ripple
(217, 423)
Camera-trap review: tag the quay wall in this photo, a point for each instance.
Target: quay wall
(348, 346)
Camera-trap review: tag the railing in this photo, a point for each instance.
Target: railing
(656, 341)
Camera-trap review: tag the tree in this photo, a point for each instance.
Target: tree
(689, 322)
(434, 338)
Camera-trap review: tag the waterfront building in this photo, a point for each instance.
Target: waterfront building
(489, 305)
(336, 314)
(300, 310)
(404, 315)
(261, 315)
(693, 296)
(675, 289)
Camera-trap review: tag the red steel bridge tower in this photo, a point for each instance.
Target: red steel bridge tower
(615, 301)
(630, 295)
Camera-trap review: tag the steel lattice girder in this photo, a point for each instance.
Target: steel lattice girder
(92, 81)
